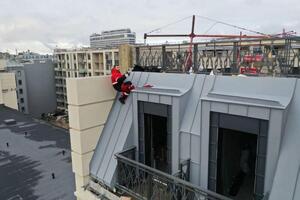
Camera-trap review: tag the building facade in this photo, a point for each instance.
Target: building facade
(113, 38)
(80, 63)
(35, 85)
(40, 84)
(31, 56)
(21, 84)
(205, 125)
(8, 96)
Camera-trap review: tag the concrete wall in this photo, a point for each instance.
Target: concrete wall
(125, 57)
(40, 87)
(8, 90)
(90, 100)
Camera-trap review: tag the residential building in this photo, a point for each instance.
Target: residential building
(190, 136)
(21, 84)
(112, 39)
(35, 85)
(77, 63)
(26, 56)
(8, 96)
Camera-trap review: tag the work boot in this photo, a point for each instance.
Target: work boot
(122, 100)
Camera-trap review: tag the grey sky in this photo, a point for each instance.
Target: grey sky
(41, 25)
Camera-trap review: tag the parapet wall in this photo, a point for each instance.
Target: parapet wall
(89, 102)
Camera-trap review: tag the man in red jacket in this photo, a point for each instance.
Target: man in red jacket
(117, 80)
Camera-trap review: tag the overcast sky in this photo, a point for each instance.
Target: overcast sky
(41, 25)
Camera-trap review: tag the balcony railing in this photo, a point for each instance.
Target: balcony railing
(143, 182)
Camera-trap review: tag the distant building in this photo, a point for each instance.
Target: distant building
(75, 63)
(113, 38)
(31, 56)
(34, 85)
(8, 96)
(40, 87)
(21, 89)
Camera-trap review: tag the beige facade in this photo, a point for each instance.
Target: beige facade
(89, 103)
(88, 62)
(2, 64)
(8, 95)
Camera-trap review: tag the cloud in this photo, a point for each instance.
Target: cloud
(42, 25)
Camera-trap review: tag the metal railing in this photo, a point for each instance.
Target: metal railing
(280, 57)
(143, 182)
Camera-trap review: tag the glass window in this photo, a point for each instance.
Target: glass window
(20, 82)
(21, 91)
(22, 100)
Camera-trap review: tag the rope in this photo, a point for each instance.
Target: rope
(211, 27)
(180, 20)
(232, 25)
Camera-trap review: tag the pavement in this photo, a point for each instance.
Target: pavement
(30, 153)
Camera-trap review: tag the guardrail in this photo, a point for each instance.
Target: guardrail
(143, 182)
(272, 57)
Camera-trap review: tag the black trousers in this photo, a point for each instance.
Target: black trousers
(119, 83)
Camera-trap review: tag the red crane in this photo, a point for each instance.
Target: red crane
(192, 35)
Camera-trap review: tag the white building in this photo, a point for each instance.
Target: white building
(27, 56)
(113, 38)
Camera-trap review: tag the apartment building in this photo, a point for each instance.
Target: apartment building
(21, 87)
(8, 96)
(34, 85)
(86, 62)
(113, 38)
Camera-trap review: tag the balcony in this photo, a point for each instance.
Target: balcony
(82, 69)
(143, 182)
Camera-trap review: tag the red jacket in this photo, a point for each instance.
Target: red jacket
(115, 74)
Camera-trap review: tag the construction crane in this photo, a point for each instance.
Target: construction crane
(192, 35)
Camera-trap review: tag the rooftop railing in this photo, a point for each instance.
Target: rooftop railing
(269, 57)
